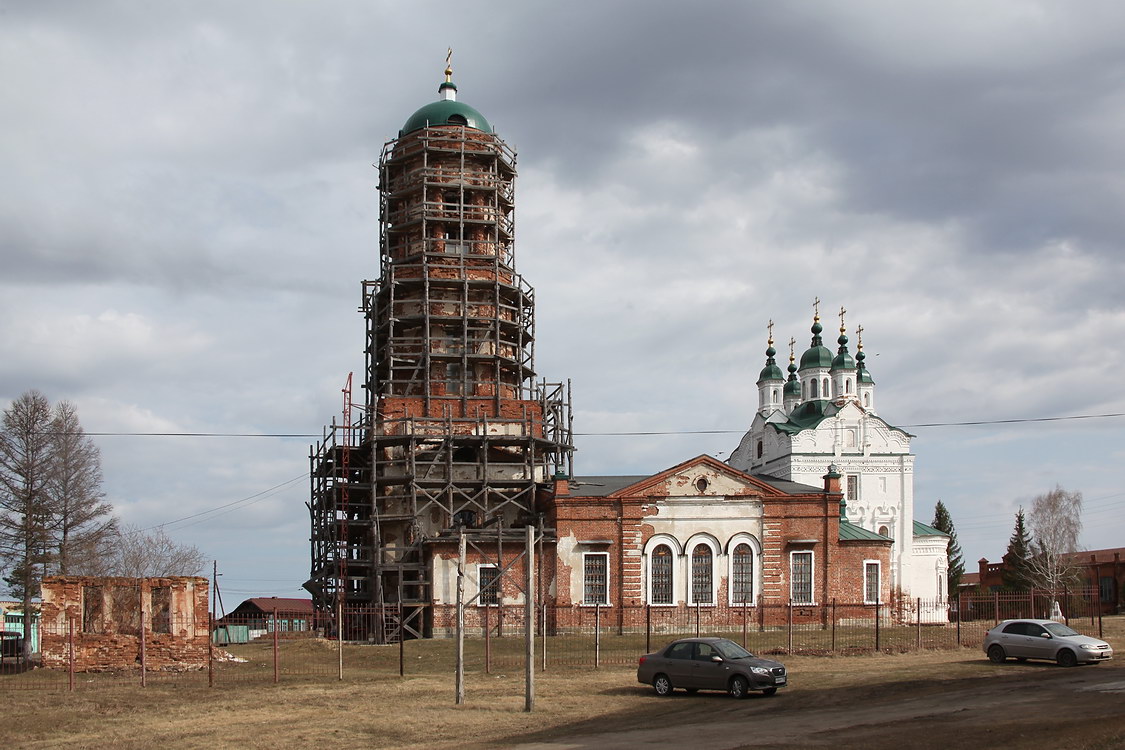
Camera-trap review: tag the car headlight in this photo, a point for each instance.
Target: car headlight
(1089, 647)
(759, 670)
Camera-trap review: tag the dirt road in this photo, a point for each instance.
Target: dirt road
(1005, 706)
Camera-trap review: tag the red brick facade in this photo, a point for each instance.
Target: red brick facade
(110, 619)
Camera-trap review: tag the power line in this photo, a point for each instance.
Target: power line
(637, 433)
(231, 504)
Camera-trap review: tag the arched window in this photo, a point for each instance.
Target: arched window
(759, 449)
(775, 392)
(826, 387)
(660, 573)
(867, 399)
(885, 531)
(847, 385)
(701, 575)
(742, 575)
(812, 388)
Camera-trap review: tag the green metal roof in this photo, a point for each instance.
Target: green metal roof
(843, 361)
(770, 372)
(816, 356)
(849, 532)
(921, 529)
(446, 112)
(806, 416)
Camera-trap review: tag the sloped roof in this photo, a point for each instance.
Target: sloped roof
(921, 529)
(849, 532)
(281, 604)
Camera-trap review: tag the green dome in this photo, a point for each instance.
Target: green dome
(817, 356)
(863, 376)
(770, 372)
(446, 112)
(793, 388)
(843, 360)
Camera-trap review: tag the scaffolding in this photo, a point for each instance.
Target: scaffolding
(455, 433)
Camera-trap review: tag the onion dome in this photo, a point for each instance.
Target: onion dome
(771, 371)
(862, 375)
(843, 360)
(818, 354)
(792, 386)
(446, 111)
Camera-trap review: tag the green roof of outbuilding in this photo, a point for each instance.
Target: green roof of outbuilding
(849, 532)
(921, 529)
(446, 112)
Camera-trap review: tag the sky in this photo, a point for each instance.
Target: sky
(188, 208)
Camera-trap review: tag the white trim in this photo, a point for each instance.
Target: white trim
(756, 567)
(812, 576)
(605, 603)
(879, 588)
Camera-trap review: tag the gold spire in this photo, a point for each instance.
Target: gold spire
(770, 327)
(449, 66)
(859, 337)
(842, 311)
(816, 310)
(792, 343)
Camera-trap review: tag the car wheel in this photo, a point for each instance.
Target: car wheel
(996, 653)
(738, 687)
(1066, 658)
(769, 691)
(662, 685)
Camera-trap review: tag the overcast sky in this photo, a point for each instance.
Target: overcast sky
(188, 207)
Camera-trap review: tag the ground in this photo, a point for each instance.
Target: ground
(922, 700)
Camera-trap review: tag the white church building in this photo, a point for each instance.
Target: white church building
(824, 414)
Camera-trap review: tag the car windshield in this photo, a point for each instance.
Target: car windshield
(731, 650)
(1058, 629)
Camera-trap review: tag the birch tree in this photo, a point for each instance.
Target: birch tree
(1055, 522)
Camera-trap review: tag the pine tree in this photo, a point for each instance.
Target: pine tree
(944, 522)
(1017, 572)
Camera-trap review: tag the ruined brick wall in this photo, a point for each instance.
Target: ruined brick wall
(110, 619)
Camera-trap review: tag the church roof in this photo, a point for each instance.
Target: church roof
(921, 529)
(849, 532)
(810, 414)
(446, 112)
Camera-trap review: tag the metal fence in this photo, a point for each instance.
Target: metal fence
(285, 645)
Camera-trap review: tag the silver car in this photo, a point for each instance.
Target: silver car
(710, 664)
(1043, 639)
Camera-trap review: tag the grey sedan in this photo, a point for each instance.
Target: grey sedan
(1043, 639)
(710, 664)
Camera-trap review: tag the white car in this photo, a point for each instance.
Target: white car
(1043, 639)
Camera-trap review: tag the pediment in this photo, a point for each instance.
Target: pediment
(702, 476)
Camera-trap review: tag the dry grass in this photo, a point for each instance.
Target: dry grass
(375, 707)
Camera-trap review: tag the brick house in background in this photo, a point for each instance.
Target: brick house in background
(1102, 568)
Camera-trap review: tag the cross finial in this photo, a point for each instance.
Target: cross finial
(859, 337)
(842, 311)
(792, 343)
(816, 308)
(770, 327)
(449, 65)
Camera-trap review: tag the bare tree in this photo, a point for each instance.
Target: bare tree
(82, 523)
(139, 554)
(26, 461)
(1056, 523)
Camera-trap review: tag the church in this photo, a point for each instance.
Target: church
(456, 444)
(824, 414)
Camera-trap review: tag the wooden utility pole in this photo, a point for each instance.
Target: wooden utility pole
(459, 677)
(529, 623)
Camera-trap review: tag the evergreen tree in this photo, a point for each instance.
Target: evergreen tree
(944, 522)
(1017, 573)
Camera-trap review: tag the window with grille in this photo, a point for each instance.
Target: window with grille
(801, 588)
(701, 575)
(742, 575)
(595, 578)
(853, 488)
(489, 576)
(660, 573)
(870, 582)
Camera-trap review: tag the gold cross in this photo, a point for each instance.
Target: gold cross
(816, 308)
(770, 327)
(859, 337)
(842, 311)
(792, 343)
(448, 66)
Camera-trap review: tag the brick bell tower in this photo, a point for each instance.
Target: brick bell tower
(454, 433)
